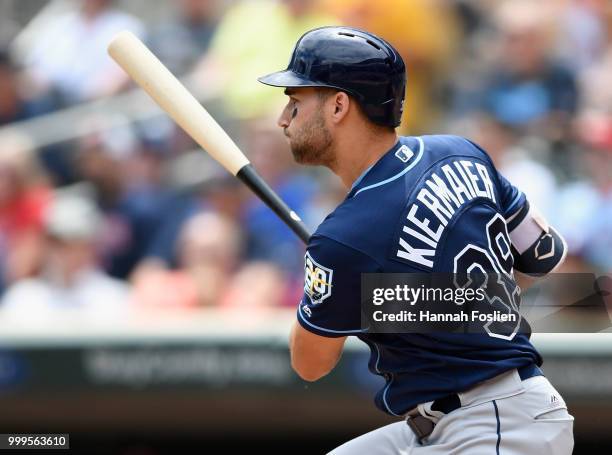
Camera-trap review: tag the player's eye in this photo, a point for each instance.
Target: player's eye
(292, 107)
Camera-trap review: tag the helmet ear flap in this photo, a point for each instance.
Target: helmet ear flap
(354, 61)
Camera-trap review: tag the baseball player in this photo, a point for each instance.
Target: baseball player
(414, 204)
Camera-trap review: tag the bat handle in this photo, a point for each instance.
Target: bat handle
(251, 178)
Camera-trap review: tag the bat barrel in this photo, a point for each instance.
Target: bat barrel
(170, 94)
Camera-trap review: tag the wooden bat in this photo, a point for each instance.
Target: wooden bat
(172, 96)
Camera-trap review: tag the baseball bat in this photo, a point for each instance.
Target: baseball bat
(172, 96)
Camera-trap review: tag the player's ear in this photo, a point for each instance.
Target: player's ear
(340, 106)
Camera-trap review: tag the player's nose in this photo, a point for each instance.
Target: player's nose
(282, 123)
(284, 120)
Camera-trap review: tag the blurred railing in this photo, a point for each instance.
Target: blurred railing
(82, 328)
(71, 123)
(234, 362)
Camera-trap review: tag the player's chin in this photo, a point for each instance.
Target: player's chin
(301, 156)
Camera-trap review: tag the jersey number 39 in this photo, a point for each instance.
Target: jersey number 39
(491, 270)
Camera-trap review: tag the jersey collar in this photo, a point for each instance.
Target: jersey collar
(360, 178)
(391, 163)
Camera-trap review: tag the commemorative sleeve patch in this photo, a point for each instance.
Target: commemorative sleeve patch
(317, 280)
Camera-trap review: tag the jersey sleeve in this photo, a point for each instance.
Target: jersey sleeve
(537, 248)
(513, 202)
(331, 305)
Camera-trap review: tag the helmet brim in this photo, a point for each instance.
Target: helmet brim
(287, 78)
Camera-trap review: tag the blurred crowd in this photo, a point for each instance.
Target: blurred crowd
(134, 217)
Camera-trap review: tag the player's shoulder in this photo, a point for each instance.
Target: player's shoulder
(361, 222)
(449, 145)
(327, 252)
(444, 150)
(356, 229)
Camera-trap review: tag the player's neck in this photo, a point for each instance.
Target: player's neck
(356, 153)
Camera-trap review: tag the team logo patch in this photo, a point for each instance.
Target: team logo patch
(317, 280)
(404, 154)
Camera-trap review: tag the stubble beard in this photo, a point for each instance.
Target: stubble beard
(313, 145)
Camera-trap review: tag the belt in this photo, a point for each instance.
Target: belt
(422, 426)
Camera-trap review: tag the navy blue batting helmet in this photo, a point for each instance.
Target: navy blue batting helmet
(351, 60)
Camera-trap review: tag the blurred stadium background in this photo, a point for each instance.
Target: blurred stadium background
(146, 297)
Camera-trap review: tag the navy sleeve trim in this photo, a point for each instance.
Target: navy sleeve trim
(514, 203)
(515, 219)
(318, 330)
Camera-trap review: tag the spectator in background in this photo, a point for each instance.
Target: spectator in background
(70, 278)
(18, 102)
(14, 104)
(516, 158)
(208, 250)
(257, 289)
(252, 37)
(471, 15)
(24, 196)
(70, 52)
(583, 37)
(196, 183)
(586, 216)
(129, 193)
(595, 84)
(181, 40)
(527, 89)
(424, 32)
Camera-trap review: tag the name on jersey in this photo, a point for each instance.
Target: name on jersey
(441, 195)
